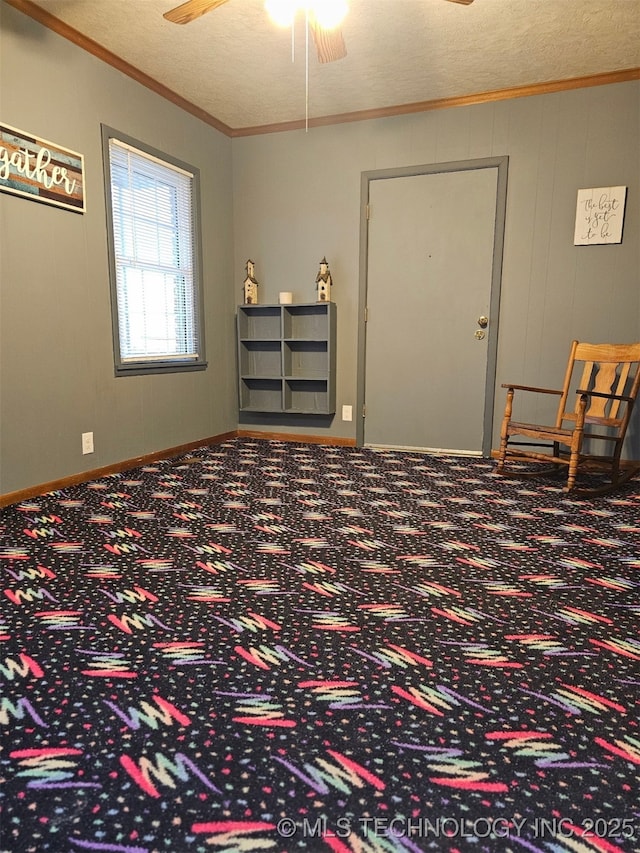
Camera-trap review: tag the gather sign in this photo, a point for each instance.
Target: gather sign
(40, 170)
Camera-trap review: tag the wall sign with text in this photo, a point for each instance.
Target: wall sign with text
(599, 216)
(40, 170)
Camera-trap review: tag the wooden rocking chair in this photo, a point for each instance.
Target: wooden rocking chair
(603, 379)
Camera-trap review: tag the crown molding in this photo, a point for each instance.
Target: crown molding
(603, 79)
(60, 28)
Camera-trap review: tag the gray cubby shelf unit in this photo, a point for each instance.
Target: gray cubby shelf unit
(286, 358)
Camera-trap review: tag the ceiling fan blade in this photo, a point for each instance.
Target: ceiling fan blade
(464, 2)
(191, 10)
(329, 43)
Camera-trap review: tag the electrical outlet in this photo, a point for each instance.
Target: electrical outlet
(87, 442)
(347, 413)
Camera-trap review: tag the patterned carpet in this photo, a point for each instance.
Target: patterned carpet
(281, 647)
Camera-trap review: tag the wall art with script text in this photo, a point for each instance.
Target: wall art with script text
(599, 216)
(40, 170)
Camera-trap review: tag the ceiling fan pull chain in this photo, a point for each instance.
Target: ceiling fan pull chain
(306, 72)
(293, 41)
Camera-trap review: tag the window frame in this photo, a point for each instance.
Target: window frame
(150, 365)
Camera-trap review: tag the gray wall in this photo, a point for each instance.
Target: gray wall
(56, 359)
(284, 200)
(297, 198)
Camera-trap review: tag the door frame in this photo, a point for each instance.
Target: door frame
(502, 165)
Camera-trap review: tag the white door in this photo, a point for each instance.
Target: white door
(430, 268)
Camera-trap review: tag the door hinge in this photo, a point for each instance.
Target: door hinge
(366, 315)
(364, 411)
(367, 212)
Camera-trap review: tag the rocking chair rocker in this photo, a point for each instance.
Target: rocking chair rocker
(604, 379)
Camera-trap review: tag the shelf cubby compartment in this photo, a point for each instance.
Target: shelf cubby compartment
(260, 322)
(261, 395)
(305, 359)
(260, 359)
(306, 322)
(306, 395)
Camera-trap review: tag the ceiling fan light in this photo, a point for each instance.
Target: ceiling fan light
(329, 14)
(281, 12)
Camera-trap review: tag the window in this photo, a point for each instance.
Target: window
(154, 258)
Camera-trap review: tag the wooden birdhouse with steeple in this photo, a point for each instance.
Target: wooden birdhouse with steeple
(324, 282)
(250, 286)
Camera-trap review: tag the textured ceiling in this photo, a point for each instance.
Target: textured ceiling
(234, 64)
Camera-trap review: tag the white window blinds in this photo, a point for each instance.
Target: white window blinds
(154, 257)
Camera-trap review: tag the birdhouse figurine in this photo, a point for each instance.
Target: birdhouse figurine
(250, 285)
(324, 282)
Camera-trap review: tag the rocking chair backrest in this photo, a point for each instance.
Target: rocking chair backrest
(607, 369)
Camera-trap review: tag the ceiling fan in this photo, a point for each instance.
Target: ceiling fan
(329, 42)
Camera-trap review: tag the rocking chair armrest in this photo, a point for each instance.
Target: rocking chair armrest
(513, 387)
(623, 397)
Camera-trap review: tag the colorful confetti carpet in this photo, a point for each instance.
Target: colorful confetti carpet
(281, 647)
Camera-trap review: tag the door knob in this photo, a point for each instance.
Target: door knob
(483, 322)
